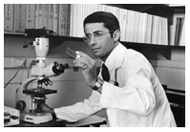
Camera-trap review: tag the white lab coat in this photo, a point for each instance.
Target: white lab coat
(138, 101)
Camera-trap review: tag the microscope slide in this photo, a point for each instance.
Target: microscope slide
(71, 52)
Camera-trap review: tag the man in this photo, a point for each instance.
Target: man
(132, 96)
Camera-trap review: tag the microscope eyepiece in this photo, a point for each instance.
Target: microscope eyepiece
(59, 68)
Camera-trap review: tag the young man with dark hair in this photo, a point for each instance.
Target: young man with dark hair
(127, 86)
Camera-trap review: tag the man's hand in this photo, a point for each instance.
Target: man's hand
(89, 67)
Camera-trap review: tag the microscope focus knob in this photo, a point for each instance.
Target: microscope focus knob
(20, 105)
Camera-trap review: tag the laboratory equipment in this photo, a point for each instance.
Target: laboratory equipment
(11, 116)
(31, 93)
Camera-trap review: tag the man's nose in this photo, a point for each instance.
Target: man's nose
(93, 40)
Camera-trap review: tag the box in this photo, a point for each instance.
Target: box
(11, 116)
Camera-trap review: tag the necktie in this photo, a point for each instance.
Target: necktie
(105, 73)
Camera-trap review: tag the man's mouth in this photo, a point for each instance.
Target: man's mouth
(95, 49)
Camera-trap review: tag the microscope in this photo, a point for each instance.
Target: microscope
(30, 95)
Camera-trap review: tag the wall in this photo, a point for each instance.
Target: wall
(70, 86)
(172, 72)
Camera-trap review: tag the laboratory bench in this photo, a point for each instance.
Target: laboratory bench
(53, 123)
(94, 121)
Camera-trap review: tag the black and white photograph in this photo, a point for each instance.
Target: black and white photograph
(94, 65)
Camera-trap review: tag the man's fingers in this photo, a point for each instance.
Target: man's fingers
(81, 65)
(79, 53)
(83, 60)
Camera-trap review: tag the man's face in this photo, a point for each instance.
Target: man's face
(101, 43)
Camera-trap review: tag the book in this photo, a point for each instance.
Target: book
(136, 28)
(179, 24)
(154, 30)
(166, 35)
(80, 19)
(55, 18)
(30, 16)
(8, 17)
(123, 22)
(40, 16)
(68, 20)
(45, 16)
(172, 28)
(75, 21)
(182, 37)
(130, 32)
(62, 19)
(36, 16)
(19, 17)
(50, 17)
(71, 20)
(148, 29)
(142, 27)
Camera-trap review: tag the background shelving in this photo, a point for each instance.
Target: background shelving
(56, 40)
(151, 21)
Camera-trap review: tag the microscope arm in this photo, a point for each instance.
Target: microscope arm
(24, 85)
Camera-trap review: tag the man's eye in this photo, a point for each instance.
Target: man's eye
(88, 36)
(98, 34)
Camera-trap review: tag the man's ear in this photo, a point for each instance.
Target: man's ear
(116, 35)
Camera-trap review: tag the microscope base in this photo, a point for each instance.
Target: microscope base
(36, 119)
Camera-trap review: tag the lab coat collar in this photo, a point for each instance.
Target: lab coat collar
(115, 59)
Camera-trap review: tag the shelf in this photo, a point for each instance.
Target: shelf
(14, 34)
(145, 45)
(178, 9)
(129, 44)
(55, 41)
(144, 48)
(154, 9)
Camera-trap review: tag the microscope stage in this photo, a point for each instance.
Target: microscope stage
(39, 92)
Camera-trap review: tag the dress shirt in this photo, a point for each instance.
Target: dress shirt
(138, 101)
